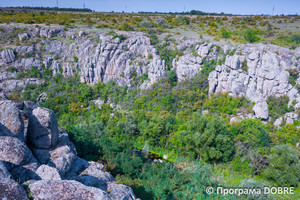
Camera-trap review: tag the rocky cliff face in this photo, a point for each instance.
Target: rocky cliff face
(36, 152)
(95, 56)
(255, 71)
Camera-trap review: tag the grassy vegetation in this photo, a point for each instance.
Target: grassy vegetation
(280, 30)
(176, 119)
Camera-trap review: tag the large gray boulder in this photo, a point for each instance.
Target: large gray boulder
(65, 190)
(10, 120)
(120, 192)
(8, 56)
(43, 129)
(13, 152)
(261, 110)
(48, 173)
(94, 176)
(233, 62)
(11, 190)
(62, 158)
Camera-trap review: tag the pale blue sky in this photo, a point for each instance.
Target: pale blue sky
(226, 6)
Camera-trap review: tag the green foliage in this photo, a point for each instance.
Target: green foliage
(284, 167)
(146, 24)
(288, 134)
(253, 132)
(290, 40)
(167, 117)
(56, 57)
(149, 181)
(216, 141)
(75, 59)
(225, 32)
(225, 104)
(172, 77)
(12, 69)
(161, 22)
(33, 72)
(251, 36)
(278, 106)
(244, 66)
(209, 140)
(208, 66)
(294, 75)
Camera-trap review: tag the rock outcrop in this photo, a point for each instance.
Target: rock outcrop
(257, 72)
(44, 159)
(187, 66)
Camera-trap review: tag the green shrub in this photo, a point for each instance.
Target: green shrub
(278, 106)
(208, 139)
(253, 132)
(161, 21)
(12, 69)
(244, 66)
(225, 33)
(146, 24)
(284, 167)
(56, 57)
(251, 35)
(172, 77)
(75, 59)
(288, 134)
(226, 104)
(294, 75)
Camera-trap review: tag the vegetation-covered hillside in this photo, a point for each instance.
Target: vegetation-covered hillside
(160, 112)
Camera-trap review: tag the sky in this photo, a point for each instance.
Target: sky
(226, 6)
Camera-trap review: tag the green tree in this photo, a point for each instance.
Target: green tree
(289, 134)
(284, 167)
(253, 132)
(216, 141)
(209, 140)
(172, 77)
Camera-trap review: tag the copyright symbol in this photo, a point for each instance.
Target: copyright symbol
(209, 190)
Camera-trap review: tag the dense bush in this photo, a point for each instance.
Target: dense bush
(284, 168)
(146, 24)
(172, 77)
(209, 140)
(224, 103)
(253, 132)
(278, 106)
(294, 75)
(288, 134)
(251, 35)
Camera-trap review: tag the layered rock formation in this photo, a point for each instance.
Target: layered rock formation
(35, 152)
(265, 73)
(96, 57)
(253, 70)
